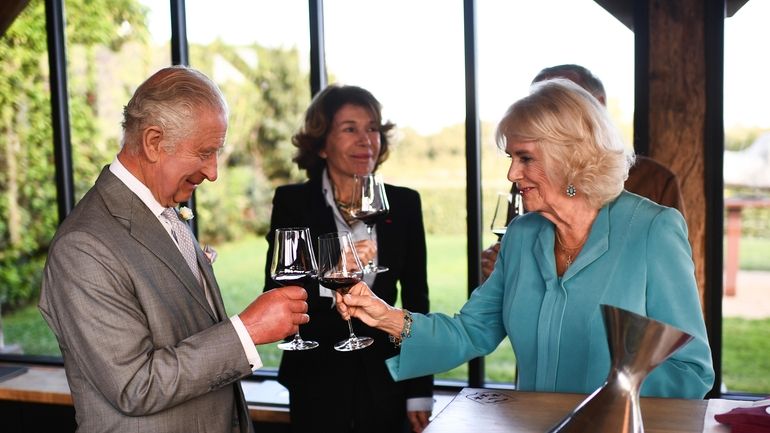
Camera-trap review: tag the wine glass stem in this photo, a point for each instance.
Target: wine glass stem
(298, 338)
(370, 265)
(350, 327)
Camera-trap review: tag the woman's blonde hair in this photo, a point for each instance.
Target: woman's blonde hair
(581, 146)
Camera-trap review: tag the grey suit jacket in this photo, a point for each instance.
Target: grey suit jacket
(142, 350)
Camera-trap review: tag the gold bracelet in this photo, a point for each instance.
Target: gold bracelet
(406, 331)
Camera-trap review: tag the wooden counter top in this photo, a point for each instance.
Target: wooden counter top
(37, 385)
(493, 411)
(48, 385)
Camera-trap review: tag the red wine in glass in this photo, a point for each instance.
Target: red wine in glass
(368, 204)
(295, 279)
(293, 264)
(369, 218)
(340, 284)
(339, 268)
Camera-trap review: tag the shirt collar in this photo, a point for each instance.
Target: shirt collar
(136, 186)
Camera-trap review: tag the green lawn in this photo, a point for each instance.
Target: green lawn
(745, 352)
(240, 270)
(754, 253)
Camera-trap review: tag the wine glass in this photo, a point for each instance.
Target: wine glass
(508, 207)
(368, 203)
(517, 205)
(500, 217)
(339, 269)
(294, 263)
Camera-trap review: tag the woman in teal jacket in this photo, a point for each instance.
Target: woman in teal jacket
(585, 242)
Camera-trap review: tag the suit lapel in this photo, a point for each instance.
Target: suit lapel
(322, 221)
(148, 231)
(386, 237)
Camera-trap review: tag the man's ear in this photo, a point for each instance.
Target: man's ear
(151, 139)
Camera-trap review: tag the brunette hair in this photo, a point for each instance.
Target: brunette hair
(311, 138)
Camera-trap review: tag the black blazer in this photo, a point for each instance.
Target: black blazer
(401, 247)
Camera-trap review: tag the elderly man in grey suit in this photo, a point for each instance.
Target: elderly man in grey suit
(131, 297)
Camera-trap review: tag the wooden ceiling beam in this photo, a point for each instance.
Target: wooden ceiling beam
(623, 10)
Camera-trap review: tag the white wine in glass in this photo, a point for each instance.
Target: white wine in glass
(293, 264)
(339, 269)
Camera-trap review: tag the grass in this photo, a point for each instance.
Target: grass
(27, 327)
(753, 253)
(745, 351)
(240, 273)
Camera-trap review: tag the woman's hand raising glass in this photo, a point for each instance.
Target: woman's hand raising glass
(339, 269)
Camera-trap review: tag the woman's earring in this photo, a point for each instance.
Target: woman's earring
(571, 190)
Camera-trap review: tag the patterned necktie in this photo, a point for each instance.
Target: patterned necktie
(184, 240)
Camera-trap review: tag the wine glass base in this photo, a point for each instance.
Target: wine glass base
(354, 343)
(298, 345)
(375, 269)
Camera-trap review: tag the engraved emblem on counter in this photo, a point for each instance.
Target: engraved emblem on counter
(487, 397)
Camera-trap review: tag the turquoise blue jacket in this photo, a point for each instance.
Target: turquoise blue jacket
(637, 257)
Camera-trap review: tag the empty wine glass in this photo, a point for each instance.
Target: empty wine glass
(500, 217)
(517, 205)
(369, 203)
(508, 207)
(339, 269)
(294, 263)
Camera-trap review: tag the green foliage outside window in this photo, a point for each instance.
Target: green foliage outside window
(267, 96)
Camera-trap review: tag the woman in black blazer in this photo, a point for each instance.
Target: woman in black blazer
(331, 391)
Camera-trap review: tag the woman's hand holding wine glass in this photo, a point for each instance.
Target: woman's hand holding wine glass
(509, 206)
(370, 309)
(339, 269)
(294, 264)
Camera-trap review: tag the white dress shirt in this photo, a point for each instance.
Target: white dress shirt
(358, 233)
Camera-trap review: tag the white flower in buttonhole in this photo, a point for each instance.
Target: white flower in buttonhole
(186, 213)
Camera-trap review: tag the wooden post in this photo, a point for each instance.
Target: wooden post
(677, 108)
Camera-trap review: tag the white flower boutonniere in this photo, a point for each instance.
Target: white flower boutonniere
(186, 213)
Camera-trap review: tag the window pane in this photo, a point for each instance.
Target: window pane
(746, 312)
(410, 56)
(516, 40)
(257, 52)
(28, 209)
(106, 57)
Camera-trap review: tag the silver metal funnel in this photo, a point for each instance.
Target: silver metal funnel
(638, 344)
